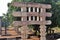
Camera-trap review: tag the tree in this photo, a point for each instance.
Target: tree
(5, 23)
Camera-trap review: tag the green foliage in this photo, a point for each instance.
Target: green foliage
(28, 0)
(5, 20)
(31, 26)
(56, 14)
(17, 0)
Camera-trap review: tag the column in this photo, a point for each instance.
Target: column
(37, 9)
(29, 9)
(37, 18)
(33, 9)
(21, 9)
(43, 32)
(24, 18)
(42, 26)
(41, 19)
(21, 18)
(29, 18)
(25, 32)
(43, 10)
(33, 18)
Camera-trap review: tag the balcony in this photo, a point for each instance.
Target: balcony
(30, 4)
(21, 23)
(18, 14)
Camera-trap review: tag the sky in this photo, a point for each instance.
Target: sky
(3, 6)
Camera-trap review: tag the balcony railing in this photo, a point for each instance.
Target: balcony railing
(24, 4)
(19, 14)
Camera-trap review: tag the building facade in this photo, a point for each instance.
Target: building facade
(31, 14)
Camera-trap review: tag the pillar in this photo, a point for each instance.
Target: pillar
(37, 18)
(42, 26)
(43, 10)
(24, 33)
(22, 19)
(43, 32)
(21, 9)
(29, 18)
(41, 19)
(33, 18)
(37, 9)
(29, 9)
(33, 9)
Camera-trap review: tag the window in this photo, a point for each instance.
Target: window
(48, 18)
(35, 18)
(31, 9)
(47, 10)
(27, 18)
(27, 9)
(31, 17)
(39, 10)
(39, 18)
(18, 9)
(17, 18)
(35, 9)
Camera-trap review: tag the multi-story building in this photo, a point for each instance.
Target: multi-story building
(30, 14)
